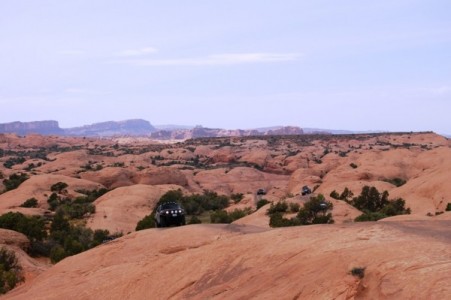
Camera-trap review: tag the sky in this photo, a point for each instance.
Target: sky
(349, 64)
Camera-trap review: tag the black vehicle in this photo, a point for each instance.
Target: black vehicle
(305, 190)
(261, 192)
(169, 213)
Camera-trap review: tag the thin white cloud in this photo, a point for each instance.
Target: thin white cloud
(138, 52)
(216, 59)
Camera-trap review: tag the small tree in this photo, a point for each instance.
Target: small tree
(32, 202)
(10, 271)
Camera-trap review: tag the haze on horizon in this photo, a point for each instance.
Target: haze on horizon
(357, 65)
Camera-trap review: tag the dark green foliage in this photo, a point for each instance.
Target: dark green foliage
(294, 207)
(278, 207)
(334, 195)
(237, 197)
(314, 211)
(32, 202)
(145, 223)
(376, 206)
(13, 161)
(10, 271)
(33, 227)
(14, 181)
(346, 195)
(194, 220)
(358, 272)
(277, 220)
(370, 199)
(66, 239)
(261, 203)
(448, 207)
(370, 216)
(58, 187)
(222, 216)
(396, 181)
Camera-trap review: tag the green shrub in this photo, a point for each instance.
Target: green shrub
(14, 181)
(294, 207)
(58, 187)
(448, 207)
(376, 206)
(261, 203)
(353, 165)
(358, 272)
(314, 211)
(32, 202)
(10, 271)
(33, 227)
(277, 220)
(194, 220)
(220, 216)
(237, 197)
(278, 207)
(334, 195)
(145, 223)
(395, 181)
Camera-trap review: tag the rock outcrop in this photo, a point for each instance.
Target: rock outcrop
(25, 128)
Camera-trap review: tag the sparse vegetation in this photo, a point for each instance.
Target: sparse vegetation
(448, 207)
(58, 187)
(358, 272)
(395, 181)
(261, 203)
(32, 202)
(376, 206)
(222, 216)
(313, 212)
(353, 165)
(10, 271)
(237, 197)
(14, 181)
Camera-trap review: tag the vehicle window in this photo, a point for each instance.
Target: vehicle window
(170, 206)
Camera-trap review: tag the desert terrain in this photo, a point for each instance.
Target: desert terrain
(401, 257)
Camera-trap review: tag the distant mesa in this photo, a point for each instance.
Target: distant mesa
(111, 128)
(39, 127)
(139, 127)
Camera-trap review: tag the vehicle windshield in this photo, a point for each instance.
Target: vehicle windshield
(170, 206)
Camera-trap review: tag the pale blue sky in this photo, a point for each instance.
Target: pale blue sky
(351, 64)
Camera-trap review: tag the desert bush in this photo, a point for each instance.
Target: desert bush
(146, 222)
(13, 161)
(58, 187)
(395, 181)
(10, 271)
(314, 211)
(358, 272)
(294, 207)
(376, 205)
(237, 197)
(32, 202)
(261, 203)
(448, 207)
(278, 207)
(194, 220)
(334, 194)
(14, 181)
(33, 227)
(222, 216)
(353, 165)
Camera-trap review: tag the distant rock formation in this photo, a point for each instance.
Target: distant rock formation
(127, 127)
(138, 127)
(38, 127)
(200, 132)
